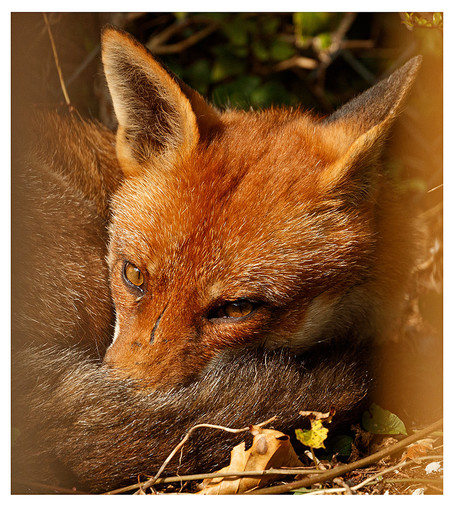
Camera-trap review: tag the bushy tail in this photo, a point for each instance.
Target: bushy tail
(79, 426)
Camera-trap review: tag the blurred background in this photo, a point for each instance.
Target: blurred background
(317, 60)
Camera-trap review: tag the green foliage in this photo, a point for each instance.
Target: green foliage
(341, 445)
(309, 25)
(251, 59)
(422, 20)
(254, 60)
(236, 65)
(382, 422)
(302, 491)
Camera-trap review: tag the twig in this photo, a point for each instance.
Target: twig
(379, 474)
(153, 480)
(57, 63)
(216, 475)
(422, 480)
(251, 473)
(49, 487)
(335, 472)
(361, 484)
(357, 66)
(295, 61)
(91, 56)
(435, 188)
(357, 44)
(156, 48)
(327, 56)
(375, 479)
(160, 38)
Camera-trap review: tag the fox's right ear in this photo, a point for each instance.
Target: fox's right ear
(156, 118)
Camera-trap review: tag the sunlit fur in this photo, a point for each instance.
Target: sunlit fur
(278, 207)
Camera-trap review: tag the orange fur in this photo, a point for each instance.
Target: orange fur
(287, 211)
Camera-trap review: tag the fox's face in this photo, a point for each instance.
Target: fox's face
(236, 229)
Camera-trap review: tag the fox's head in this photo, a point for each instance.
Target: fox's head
(235, 229)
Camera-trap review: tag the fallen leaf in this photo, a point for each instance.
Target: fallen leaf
(318, 415)
(419, 449)
(269, 449)
(435, 466)
(382, 422)
(314, 437)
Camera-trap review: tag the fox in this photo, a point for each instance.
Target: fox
(287, 240)
(195, 266)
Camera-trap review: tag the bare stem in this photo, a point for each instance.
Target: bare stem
(153, 480)
(57, 63)
(335, 472)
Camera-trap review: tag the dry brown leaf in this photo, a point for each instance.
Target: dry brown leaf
(269, 449)
(419, 449)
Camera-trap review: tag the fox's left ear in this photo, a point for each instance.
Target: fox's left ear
(366, 121)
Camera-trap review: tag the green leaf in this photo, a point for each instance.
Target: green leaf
(281, 50)
(382, 422)
(325, 40)
(270, 24)
(302, 491)
(341, 445)
(198, 75)
(226, 65)
(235, 93)
(260, 51)
(237, 32)
(312, 23)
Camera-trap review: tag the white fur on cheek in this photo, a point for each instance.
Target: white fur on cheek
(116, 333)
(318, 316)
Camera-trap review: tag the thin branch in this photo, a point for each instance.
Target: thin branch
(91, 56)
(379, 474)
(327, 56)
(353, 44)
(158, 49)
(296, 61)
(422, 480)
(216, 475)
(57, 63)
(153, 480)
(357, 66)
(50, 488)
(435, 188)
(344, 489)
(163, 36)
(335, 472)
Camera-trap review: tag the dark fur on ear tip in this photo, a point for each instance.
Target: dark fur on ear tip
(381, 101)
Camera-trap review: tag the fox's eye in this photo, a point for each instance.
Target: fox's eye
(133, 275)
(235, 309)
